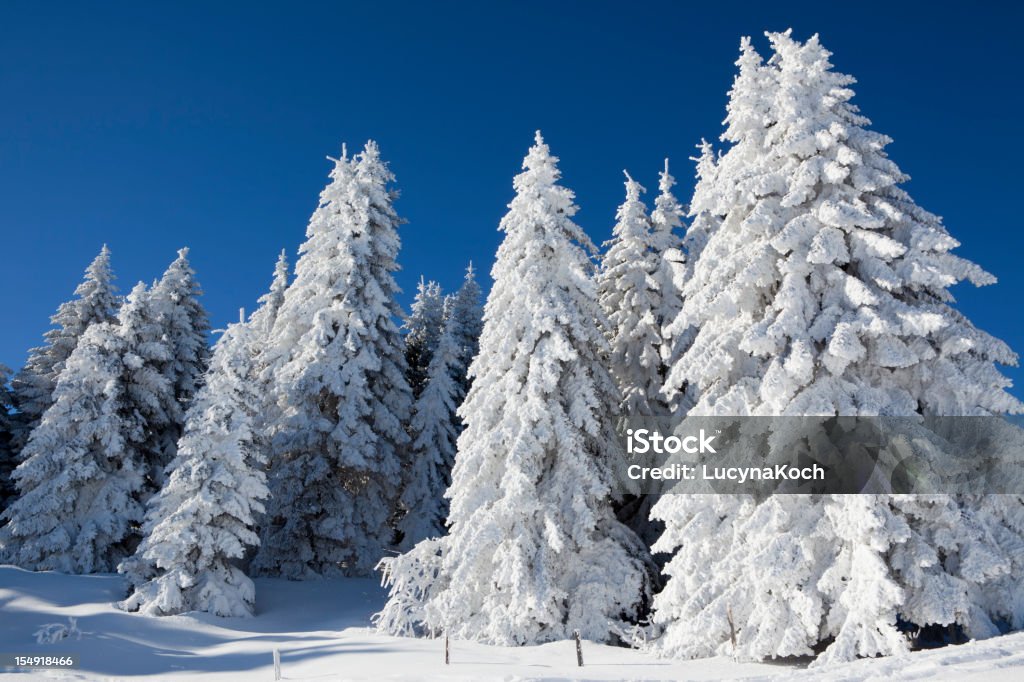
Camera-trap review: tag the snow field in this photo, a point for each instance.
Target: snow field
(322, 631)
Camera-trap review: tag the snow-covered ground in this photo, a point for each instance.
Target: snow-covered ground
(321, 630)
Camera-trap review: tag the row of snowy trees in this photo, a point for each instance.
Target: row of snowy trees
(807, 283)
(321, 436)
(98, 413)
(297, 449)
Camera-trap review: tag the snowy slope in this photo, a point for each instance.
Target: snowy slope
(321, 629)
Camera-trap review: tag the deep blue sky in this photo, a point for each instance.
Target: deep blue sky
(152, 126)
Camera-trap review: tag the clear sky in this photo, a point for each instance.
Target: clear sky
(150, 126)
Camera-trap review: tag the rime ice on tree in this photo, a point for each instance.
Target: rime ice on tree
(677, 331)
(203, 520)
(533, 551)
(632, 299)
(824, 291)
(95, 301)
(340, 388)
(423, 331)
(262, 321)
(435, 424)
(464, 312)
(428, 472)
(84, 466)
(669, 256)
(183, 323)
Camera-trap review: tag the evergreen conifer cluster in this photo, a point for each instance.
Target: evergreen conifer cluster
(329, 429)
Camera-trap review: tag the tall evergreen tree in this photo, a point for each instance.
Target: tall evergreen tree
(435, 424)
(423, 331)
(749, 116)
(203, 519)
(174, 303)
(631, 298)
(338, 364)
(824, 291)
(148, 389)
(95, 301)
(466, 315)
(533, 551)
(638, 293)
(262, 320)
(84, 465)
(677, 331)
(667, 253)
(704, 221)
(700, 529)
(261, 373)
(434, 434)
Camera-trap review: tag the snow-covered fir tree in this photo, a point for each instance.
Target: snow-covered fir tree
(704, 221)
(261, 375)
(677, 332)
(337, 360)
(466, 314)
(261, 328)
(824, 291)
(858, 233)
(95, 301)
(427, 475)
(422, 332)
(666, 249)
(203, 520)
(84, 466)
(700, 529)
(1002, 591)
(435, 424)
(631, 298)
(638, 293)
(748, 118)
(533, 551)
(186, 325)
(83, 477)
(261, 322)
(7, 427)
(148, 391)
(174, 303)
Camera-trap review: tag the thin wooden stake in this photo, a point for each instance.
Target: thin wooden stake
(277, 664)
(732, 628)
(446, 657)
(579, 648)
